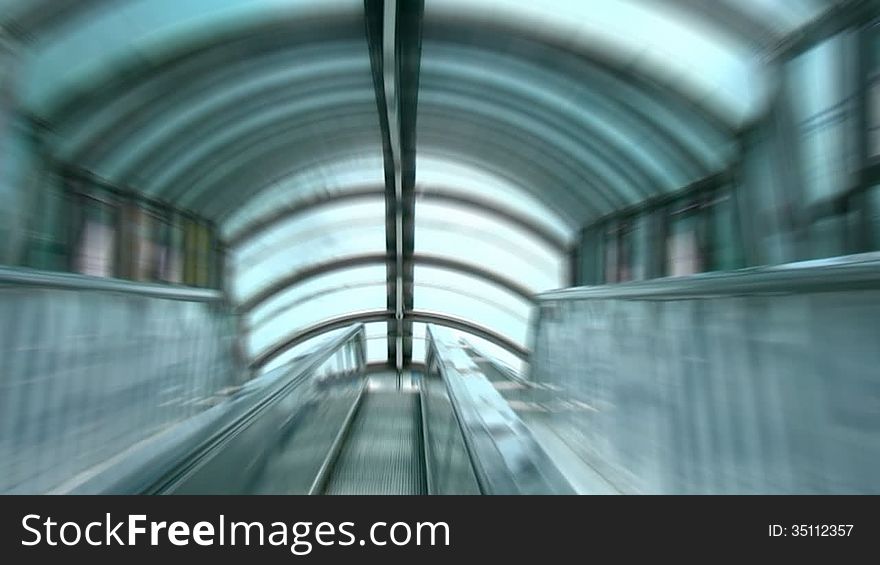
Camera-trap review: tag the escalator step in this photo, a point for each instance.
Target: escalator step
(382, 454)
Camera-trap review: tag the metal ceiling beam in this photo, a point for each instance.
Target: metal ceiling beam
(568, 206)
(325, 326)
(162, 156)
(283, 309)
(730, 19)
(471, 328)
(706, 183)
(208, 55)
(215, 52)
(408, 45)
(345, 151)
(394, 32)
(284, 214)
(597, 93)
(843, 15)
(196, 118)
(514, 38)
(374, 18)
(336, 121)
(251, 104)
(312, 271)
(42, 18)
(522, 147)
(189, 178)
(306, 273)
(108, 138)
(564, 206)
(202, 58)
(210, 118)
(194, 190)
(191, 189)
(432, 194)
(628, 170)
(564, 138)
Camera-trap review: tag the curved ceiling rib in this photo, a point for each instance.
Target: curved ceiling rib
(260, 134)
(486, 159)
(426, 194)
(306, 273)
(225, 207)
(228, 53)
(161, 98)
(616, 163)
(514, 37)
(580, 89)
(327, 291)
(267, 169)
(384, 315)
(355, 122)
(564, 212)
(188, 125)
(576, 145)
(527, 164)
(513, 150)
(185, 135)
(763, 24)
(34, 20)
(165, 132)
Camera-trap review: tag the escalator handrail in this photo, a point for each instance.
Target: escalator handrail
(432, 357)
(292, 378)
(170, 462)
(853, 272)
(500, 478)
(25, 277)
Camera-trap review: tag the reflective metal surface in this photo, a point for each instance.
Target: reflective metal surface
(760, 381)
(90, 367)
(273, 436)
(506, 458)
(449, 469)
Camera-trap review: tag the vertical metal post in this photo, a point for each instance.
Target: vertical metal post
(789, 174)
(11, 213)
(574, 262)
(744, 206)
(861, 239)
(658, 226)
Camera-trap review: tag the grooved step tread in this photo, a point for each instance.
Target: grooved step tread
(382, 453)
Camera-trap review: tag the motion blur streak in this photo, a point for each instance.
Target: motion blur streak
(439, 246)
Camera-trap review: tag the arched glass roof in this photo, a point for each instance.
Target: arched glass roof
(447, 192)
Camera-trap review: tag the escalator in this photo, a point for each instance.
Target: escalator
(324, 425)
(383, 451)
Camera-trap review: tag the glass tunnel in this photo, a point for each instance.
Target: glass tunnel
(440, 246)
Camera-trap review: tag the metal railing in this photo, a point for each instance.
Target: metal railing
(503, 456)
(23, 277)
(759, 380)
(853, 272)
(249, 426)
(92, 366)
